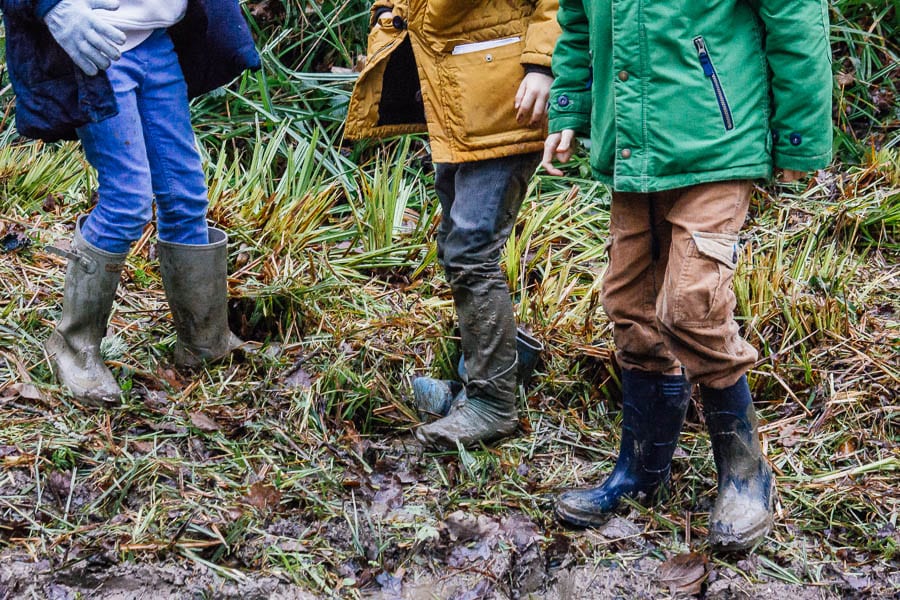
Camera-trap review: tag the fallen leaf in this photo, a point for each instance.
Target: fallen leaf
(142, 446)
(27, 391)
(203, 422)
(464, 527)
(391, 585)
(298, 379)
(51, 201)
(262, 496)
(684, 573)
(845, 79)
(618, 528)
(171, 378)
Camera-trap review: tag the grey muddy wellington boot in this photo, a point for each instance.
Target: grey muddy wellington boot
(742, 514)
(434, 397)
(92, 277)
(653, 409)
(488, 336)
(195, 280)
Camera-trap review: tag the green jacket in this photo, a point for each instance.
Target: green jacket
(681, 92)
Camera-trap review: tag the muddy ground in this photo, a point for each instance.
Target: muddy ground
(476, 558)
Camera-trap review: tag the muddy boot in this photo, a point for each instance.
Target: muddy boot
(488, 338)
(653, 409)
(195, 280)
(742, 514)
(469, 423)
(92, 277)
(435, 397)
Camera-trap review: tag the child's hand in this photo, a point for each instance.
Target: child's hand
(560, 146)
(789, 175)
(91, 42)
(532, 97)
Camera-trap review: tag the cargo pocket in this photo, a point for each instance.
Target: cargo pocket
(704, 288)
(480, 93)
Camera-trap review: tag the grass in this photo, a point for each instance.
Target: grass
(296, 460)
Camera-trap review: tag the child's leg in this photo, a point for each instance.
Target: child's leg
(192, 256)
(696, 315)
(115, 148)
(178, 179)
(480, 201)
(655, 394)
(638, 254)
(696, 306)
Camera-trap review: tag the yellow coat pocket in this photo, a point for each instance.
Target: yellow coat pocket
(480, 82)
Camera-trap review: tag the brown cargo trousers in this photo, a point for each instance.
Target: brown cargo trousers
(668, 287)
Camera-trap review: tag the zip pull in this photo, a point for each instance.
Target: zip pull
(703, 54)
(85, 262)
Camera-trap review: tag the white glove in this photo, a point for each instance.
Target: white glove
(90, 42)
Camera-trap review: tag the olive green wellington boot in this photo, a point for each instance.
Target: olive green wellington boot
(196, 284)
(73, 348)
(435, 397)
(487, 326)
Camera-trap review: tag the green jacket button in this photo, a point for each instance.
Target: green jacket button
(563, 101)
(626, 153)
(796, 139)
(623, 75)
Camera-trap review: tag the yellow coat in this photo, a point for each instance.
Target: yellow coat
(452, 68)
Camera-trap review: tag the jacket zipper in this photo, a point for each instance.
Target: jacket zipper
(710, 71)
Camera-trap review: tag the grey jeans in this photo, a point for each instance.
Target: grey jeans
(480, 202)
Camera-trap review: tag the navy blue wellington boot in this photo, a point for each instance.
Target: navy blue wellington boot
(742, 514)
(653, 409)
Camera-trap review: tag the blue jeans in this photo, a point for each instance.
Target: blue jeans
(147, 151)
(480, 201)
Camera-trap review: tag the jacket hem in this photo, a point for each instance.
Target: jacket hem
(802, 163)
(672, 182)
(462, 156)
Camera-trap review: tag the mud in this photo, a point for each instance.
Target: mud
(20, 578)
(480, 559)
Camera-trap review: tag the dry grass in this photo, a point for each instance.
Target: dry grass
(296, 459)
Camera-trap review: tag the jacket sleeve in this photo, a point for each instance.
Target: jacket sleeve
(542, 33)
(799, 56)
(378, 7)
(570, 96)
(27, 9)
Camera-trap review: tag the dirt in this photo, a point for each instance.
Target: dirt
(472, 558)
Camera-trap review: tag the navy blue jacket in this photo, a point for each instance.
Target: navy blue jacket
(54, 97)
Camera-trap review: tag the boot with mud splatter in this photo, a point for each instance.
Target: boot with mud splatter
(653, 409)
(73, 348)
(488, 338)
(742, 514)
(435, 397)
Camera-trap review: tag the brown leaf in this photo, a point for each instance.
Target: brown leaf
(262, 496)
(141, 446)
(203, 422)
(59, 483)
(171, 377)
(684, 573)
(51, 201)
(298, 378)
(845, 79)
(26, 391)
